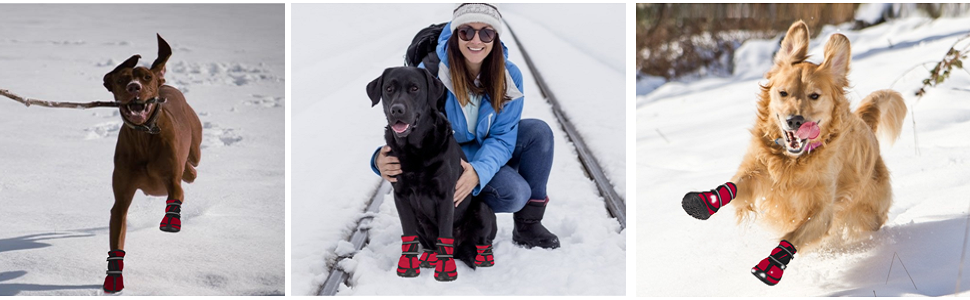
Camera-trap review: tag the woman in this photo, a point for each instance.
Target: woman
(510, 159)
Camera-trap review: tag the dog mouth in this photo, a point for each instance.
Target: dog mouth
(136, 112)
(401, 129)
(797, 141)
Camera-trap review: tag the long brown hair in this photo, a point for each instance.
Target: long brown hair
(492, 75)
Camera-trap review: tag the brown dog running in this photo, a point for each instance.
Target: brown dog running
(157, 149)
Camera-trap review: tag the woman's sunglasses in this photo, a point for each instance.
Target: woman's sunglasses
(467, 33)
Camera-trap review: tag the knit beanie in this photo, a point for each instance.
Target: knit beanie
(477, 13)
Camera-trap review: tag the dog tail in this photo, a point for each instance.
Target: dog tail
(883, 111)
(465, 252)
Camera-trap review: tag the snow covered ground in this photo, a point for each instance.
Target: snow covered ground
(55, 183)
(681, 256)
(339, 48)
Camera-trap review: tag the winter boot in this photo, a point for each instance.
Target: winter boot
(446, 270)
(770, 269)
(429, 258)
(172, 222)
(485, 258)
(702, 205)
(529, 231)
(407, 266)
(114, 282)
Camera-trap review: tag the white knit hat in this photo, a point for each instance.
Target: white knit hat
(477, 13)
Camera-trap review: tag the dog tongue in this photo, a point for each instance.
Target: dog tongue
(399, 127)
(808, 131)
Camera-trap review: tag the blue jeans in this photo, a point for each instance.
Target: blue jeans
(525, 176)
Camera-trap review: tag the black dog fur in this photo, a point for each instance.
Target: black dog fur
(430, 164)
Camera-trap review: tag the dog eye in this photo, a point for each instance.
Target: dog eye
(814, 96)
(784, 93)
(414, 89)
(148, 77)
(389, 89)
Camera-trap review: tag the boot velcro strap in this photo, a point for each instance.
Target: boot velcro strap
(446, 245)
(411, 242)
(786, 250)
(410, 253)
(445, 256)
(173, 213)
(115, 258)
(429, 251)
(179, 204)
(780, 265)
(113, 272)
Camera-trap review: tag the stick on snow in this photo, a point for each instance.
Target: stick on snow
(28, 102)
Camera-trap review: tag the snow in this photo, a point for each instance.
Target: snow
(55, 187)
(691, 136)
(335, 131)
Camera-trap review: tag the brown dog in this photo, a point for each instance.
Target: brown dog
(157, 149)
(813, 168)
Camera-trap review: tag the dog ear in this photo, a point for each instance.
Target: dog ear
(374, 89)
(128, 63)
(837, 57)
(164, 52)
(435, 91)
(794, 48)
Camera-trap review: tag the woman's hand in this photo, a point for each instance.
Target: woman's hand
(466, 182)
(388, 165)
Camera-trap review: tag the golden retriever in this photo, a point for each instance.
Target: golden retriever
(813, 168)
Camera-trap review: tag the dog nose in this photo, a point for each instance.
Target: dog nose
(397, 109)
(795, 122)
(134, 87)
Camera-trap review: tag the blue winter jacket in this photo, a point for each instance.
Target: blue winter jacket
(491, 146)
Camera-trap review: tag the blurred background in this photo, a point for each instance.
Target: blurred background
(681, 41)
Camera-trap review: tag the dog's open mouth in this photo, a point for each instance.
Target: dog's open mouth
(793, 143)
(797, 141)
(135, 112)
(401, 129)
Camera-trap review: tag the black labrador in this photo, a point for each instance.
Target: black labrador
(421, 137)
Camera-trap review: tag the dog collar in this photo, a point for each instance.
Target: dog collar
(150, 127)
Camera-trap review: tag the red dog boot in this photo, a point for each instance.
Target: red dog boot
(446, 270)
(113, 283)
(485, 258)
(407, 266)
(770, 269)
(702, 205)
(172, 222)
(429, 258)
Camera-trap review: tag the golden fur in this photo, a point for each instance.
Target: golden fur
(841, 188)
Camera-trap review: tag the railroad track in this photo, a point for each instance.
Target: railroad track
(615, 205)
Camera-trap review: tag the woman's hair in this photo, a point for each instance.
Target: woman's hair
(492, 75)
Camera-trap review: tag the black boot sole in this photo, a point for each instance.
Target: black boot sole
(169, 229)
(696, 206)
(529, 245)
(409, 274)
